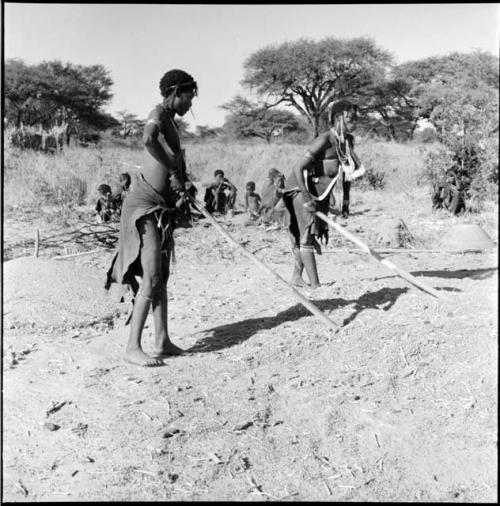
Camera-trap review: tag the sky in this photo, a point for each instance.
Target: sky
(138, 43)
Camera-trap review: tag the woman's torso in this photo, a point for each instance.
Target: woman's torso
(322, 170)
(153, 171)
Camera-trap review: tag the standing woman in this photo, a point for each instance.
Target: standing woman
(308, 188)
(154, 207)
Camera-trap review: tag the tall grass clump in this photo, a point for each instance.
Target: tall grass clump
(393, 166)
(65, 179)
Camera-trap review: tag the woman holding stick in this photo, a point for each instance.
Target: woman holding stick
(309, 186)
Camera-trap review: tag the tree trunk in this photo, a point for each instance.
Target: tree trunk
(316, 126)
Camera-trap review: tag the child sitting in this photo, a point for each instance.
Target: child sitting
(252, 201)
(105, 207)
(272, 193)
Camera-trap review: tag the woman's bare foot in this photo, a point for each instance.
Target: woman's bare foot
(138, 357)
(166, 350)
(298, 281)
(318, 291)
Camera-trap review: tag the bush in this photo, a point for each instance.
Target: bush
(436, 163)
(477, 165)
(426, 135)
(371, 180)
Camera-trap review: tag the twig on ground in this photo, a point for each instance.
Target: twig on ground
(143, 471)
(404, 356)
(37, 243)
(21, 487)
(78, 254)
(327, 487)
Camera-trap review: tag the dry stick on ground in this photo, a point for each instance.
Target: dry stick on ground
(37, 243)
(384, 261)
(79, 254)
(306, 302)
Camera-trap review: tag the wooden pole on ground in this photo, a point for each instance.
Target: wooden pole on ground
(303, 300)
(405, 275)
(37, 243)
(403, 250)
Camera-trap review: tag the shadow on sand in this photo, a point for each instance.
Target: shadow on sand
(234, 333)
(458, 274)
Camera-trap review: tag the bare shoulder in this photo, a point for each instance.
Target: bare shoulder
(156, 113)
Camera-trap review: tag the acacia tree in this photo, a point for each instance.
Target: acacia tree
(309, 75)
(206, 132)
(247, 119)
(390, 110)
(130, 124)
(427, 78)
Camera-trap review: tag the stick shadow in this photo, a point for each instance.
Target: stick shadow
(231, 334)
(458, 274)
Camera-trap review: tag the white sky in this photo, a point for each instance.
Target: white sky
(139, 43)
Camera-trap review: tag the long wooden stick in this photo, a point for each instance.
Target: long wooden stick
(405, 275)
(402, 250)
(303, 300)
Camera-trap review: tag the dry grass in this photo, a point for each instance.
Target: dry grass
(70, 178)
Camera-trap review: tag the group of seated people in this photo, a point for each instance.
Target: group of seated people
(220, 195)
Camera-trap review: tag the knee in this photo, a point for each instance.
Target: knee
(306, 241)
(151, 285)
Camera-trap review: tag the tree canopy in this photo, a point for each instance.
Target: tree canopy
(247, 119)
(53, 93)
(309, 75)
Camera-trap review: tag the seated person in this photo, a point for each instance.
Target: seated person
(272, 193)
(220, 196)
(448, 193)
(120, 195)
(191, 189)
(252, 200)
(105, 207)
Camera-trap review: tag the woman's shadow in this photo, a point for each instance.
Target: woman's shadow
(232, 334)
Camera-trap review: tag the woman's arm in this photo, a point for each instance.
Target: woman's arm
(315, 149)
(166, 158)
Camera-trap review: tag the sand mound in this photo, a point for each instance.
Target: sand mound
(41, 293)
(466, 237)
(394, 233)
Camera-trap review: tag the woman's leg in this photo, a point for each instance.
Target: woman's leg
(306, 251)
(294, 234)
(150, 258)
(163, 346)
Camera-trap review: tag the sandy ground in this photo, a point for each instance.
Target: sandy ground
(399, 405)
